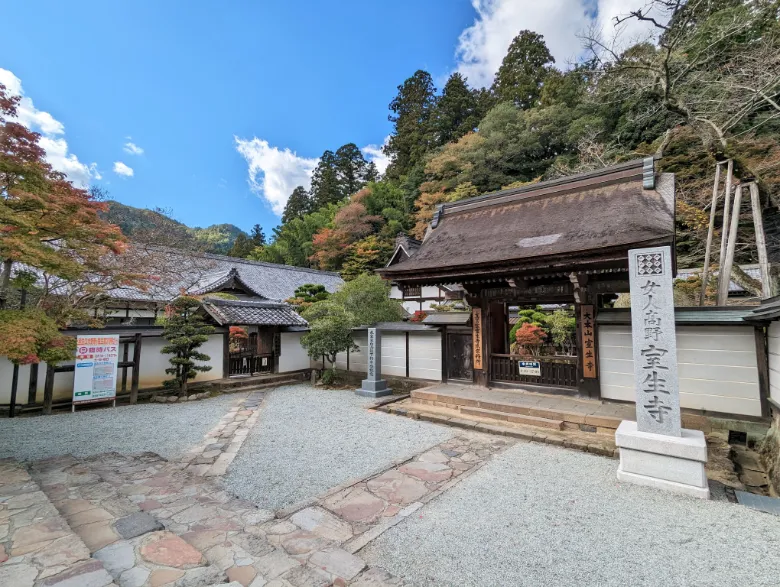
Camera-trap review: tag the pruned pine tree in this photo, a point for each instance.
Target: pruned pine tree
(186, 331)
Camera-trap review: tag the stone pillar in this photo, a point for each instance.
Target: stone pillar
(373, 385)
(655, 450)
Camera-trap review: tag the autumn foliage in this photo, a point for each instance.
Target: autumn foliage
(55, 231)
(530, 338)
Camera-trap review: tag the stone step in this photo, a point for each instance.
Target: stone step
(229, 384)
(514, 418)
(586, 442)
(576, 417)
(43, 549)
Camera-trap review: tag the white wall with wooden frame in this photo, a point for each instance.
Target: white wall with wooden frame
(718, 367)
(773, 344)
(424, 355)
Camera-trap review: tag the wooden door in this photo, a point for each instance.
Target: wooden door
(459, 356)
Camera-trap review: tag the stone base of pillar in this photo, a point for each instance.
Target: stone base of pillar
(372, 388)
(664, 462)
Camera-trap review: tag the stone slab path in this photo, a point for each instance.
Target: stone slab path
(142, 521)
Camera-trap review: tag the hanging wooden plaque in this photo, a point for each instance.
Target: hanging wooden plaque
(588, 329)
(476, 330)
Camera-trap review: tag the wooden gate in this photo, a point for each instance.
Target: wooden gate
(255, 355)
(460, 356)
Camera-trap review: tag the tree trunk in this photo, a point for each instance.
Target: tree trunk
(6, 282)
(744, 280)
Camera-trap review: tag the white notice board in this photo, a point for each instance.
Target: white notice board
(96, 367)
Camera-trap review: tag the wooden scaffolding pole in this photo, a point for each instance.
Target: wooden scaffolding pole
(725, 230)
(758, 223)
(724, 278)
(705, 273)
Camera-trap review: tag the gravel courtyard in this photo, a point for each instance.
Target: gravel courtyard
(309, 440)
(539, 516)
(167, 429)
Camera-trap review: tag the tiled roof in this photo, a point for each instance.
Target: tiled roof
(259, 313)
(198, 273)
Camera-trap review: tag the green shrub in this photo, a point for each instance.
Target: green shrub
(329, 377)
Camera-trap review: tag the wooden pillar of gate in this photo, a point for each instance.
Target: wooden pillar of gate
(585, 310)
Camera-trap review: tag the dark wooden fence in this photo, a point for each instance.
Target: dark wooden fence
(247, 362)
(556, 371)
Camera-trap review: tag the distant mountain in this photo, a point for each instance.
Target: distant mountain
(156, 227)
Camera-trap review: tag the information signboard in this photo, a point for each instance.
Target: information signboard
(94, 378)
(533, 368)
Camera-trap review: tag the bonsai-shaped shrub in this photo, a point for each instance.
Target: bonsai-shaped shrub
(306, 295)
(529, 339)
(535, 317)
(186, 331)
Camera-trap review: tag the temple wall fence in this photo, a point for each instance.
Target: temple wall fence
(423, 360)
(718, 367)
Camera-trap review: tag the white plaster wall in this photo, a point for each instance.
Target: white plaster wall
(294, 356)
(425, 355)
(394, 354)
(774, 361)
(152, 374)
(395, 293)
(717, 366)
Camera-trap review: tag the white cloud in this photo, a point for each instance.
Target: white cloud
(133, 149)
(51, 130)
(122, 169)
(273, 172)
(374, 153)
(482, 46)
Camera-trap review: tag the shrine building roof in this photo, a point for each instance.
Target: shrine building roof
(591, 218)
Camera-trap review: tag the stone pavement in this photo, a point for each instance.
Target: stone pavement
(142, 521)
(37, 546)
(213, 456)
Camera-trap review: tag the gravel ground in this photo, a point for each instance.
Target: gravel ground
(309, 440)
(540, 516)
(166, 429)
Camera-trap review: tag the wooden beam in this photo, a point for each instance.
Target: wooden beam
(136, 368)
(32, 389)
(407, 354)
(763, 370)
(14, 389)
(711, 230)
(728, 262)
(725, 229)
(758, 223)
(48, 391)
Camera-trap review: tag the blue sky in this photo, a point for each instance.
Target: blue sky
(216, 110)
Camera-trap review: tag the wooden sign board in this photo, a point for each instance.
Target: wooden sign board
(476, 332)
(588, 329)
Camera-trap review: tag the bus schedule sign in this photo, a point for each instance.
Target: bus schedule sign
(94, 378)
